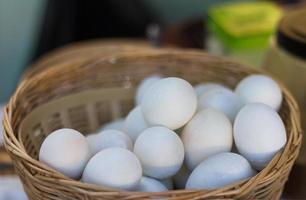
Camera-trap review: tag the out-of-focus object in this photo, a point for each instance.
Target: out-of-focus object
(286, 60)
(11, 188)
(6, 166)
(19, 28)
(154, 34)
(242, 30)
(186, 34)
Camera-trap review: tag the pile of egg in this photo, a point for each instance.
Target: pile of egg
(178, 136)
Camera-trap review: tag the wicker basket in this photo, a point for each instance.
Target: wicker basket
(78, 51)
(87, 94)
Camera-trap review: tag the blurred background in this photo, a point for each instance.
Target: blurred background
(264, 34)
(29, 29)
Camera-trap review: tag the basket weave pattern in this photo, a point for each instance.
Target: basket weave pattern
(78, 51)
(104, 90)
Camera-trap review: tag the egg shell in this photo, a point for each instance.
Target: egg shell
(67, 151)
(134, 123)
(144, 86)
(260, 89)
(170, 102)
(160, 151)
(92, 140)
(208, 133)
(181, 177)
(114, 167)
(11, 188)
(116, 124)
(168, 183)
(109, 138)
(148, 184)
(206, 87)
(219, 170)
(259, 133)
(223, 100)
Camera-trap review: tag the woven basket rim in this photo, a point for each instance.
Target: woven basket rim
(110, 45)
(14, 146)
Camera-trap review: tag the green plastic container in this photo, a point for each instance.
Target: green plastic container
(242, 30)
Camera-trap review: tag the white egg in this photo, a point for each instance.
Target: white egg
(116, 124)
(219, 170)
(135, 123)
(107, 139)
(205, 87)
(114, 167)
(223, 100)
(181, 177)
(11, 188)
(259, 133)
(67, 151)
(208, 133)
(145, 85)
(260, 89)
(160, 151)
(169, 102)
(168, 183)
(92, 140)
(148, 184)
